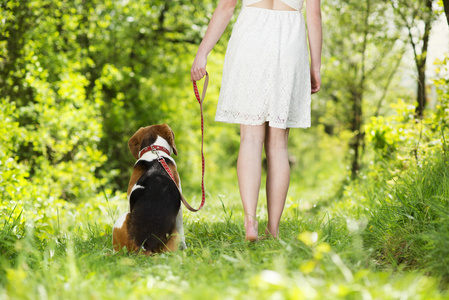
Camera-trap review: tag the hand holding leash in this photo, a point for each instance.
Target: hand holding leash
(198, 70)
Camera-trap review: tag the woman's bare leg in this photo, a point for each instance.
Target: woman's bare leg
(249, 173)
(278, 176)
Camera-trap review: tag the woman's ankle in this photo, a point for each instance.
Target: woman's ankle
(273, 233)
(251, 229)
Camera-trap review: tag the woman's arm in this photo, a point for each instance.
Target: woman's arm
(315, 34)
(217, 25)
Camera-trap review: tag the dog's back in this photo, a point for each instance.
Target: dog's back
(154, 205)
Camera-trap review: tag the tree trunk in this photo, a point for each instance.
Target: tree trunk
(421, 64)
(446, 10)
(421, 91)
(356, 126)
(357, 97)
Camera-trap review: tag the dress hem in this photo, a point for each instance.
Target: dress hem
(270, 123)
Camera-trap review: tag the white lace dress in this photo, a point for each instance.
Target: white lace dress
(266, 75)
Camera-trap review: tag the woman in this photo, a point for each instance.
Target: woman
(266, 88)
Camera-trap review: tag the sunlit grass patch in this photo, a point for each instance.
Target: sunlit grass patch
(319, 255)
(302, 265)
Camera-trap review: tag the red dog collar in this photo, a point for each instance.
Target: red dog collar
(153, 148)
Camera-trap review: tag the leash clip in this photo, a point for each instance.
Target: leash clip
(154, 151)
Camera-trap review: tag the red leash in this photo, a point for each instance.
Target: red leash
(200, 101)
(164, 163)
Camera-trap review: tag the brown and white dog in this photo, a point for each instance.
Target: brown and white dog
(154, 221)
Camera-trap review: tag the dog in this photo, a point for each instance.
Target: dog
(154, 221)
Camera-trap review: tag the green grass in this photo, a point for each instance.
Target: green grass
(382, 237)
(315, 258)
(409, 223)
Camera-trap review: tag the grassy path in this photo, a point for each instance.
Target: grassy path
(315, 258)
(378, 240)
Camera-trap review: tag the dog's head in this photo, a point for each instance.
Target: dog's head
(147, 136)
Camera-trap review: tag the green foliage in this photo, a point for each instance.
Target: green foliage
(408, 221)
(440, 115)
(116, 66)
(401, 198)
(361, 56)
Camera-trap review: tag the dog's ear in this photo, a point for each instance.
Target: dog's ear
(135, 141)
(171, 140)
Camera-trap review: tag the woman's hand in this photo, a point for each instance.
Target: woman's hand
(315, 35)
(315, 79)
(220, 19)
(198, 70)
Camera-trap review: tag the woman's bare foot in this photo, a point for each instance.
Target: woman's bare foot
(269, 235)
(251, 230)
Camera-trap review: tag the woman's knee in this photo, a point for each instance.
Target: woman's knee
(276, 140)
(252, 135)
